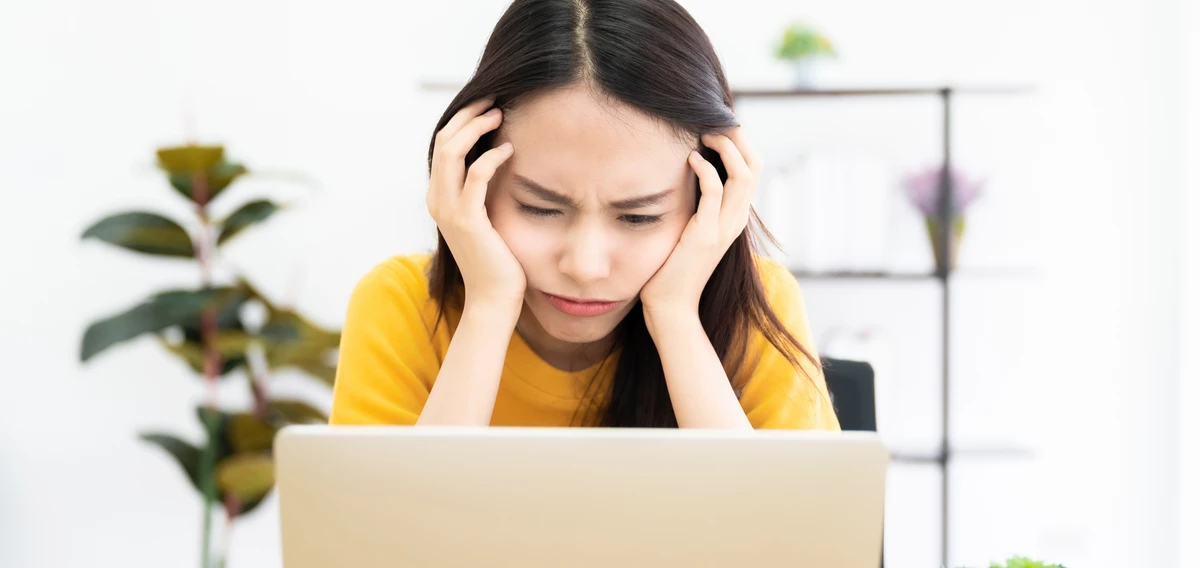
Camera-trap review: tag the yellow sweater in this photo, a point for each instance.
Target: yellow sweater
(390, 355)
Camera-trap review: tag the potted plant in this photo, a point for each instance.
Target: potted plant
(220, 329)
(1022, 562)
(923, 189)
(802, 45)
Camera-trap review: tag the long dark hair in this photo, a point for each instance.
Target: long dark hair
(652, 56)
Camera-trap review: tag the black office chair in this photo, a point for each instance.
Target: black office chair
(851, 386)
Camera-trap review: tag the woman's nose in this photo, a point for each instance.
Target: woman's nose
(585, 258)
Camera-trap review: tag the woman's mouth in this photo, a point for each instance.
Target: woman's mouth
(580, 307)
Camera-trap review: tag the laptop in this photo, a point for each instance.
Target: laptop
(375, 496)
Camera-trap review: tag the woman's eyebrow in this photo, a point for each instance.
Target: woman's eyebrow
(544, 193)
(643, 201)
(555, 197)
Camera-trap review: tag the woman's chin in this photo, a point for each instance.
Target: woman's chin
(570, 329)
(576, 329)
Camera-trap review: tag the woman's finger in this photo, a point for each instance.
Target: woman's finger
(735, 164)
(711, 191)
(456, 149)
(449, 160)
(736, 211)
(462, 117)
(475, 189)
(738, 135)
(734, 216)
(739, 189)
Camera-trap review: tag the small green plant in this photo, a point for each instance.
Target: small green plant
(1022, 562)
(222, 328)
(802, 41)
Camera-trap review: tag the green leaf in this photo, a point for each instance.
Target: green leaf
(230, 344)
(290, 340)
(224, 449)
(218, 177)
(248, 477)
(232, 337)
(145, 233)
(161, 311)
(105, 333)
(248, 433)
(239, 432)
(246, 508)
(1023, 562)
(189, 159)
(185, 454)
(247, 215)
(297, 412)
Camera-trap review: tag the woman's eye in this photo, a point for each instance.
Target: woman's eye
(640, 220)
(538, 211)
(633, 220)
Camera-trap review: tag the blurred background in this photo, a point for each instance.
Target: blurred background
(1073, 303)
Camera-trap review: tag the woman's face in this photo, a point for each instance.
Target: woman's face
(591, 203)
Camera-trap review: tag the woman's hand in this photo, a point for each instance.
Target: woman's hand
(721, 216)
(491, 274)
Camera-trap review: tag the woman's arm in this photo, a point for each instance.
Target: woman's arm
(494, 282)
(465, 391)
(700, 390)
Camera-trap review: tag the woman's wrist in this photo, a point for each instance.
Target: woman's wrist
(495, 315)
(465, 390)
(662, 318)
(699, 388)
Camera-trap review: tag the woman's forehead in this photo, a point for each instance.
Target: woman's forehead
(571, 141)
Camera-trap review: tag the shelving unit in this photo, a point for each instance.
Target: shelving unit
(946, 95)
(942, 275)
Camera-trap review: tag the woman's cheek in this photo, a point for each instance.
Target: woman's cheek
(653, 250)
(529, 242)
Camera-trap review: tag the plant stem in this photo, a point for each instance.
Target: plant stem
(207, 459)
(257, 375)
(231, 507)
(212, 366)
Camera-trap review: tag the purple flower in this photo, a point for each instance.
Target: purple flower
(922, 188)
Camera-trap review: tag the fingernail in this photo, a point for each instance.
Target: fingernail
(695, 154)
(493, 112)
(506, 146)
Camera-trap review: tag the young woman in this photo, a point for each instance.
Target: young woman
(596, 260)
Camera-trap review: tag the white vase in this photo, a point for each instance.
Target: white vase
(803, 72)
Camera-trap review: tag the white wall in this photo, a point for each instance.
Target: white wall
(1094, 170)
(1189, 355)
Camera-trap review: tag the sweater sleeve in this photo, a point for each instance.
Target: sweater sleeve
(776, 394)
(386, 361)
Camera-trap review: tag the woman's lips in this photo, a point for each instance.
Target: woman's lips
(580, 308)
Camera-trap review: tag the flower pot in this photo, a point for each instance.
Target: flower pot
(934, 229)
(803, 72)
